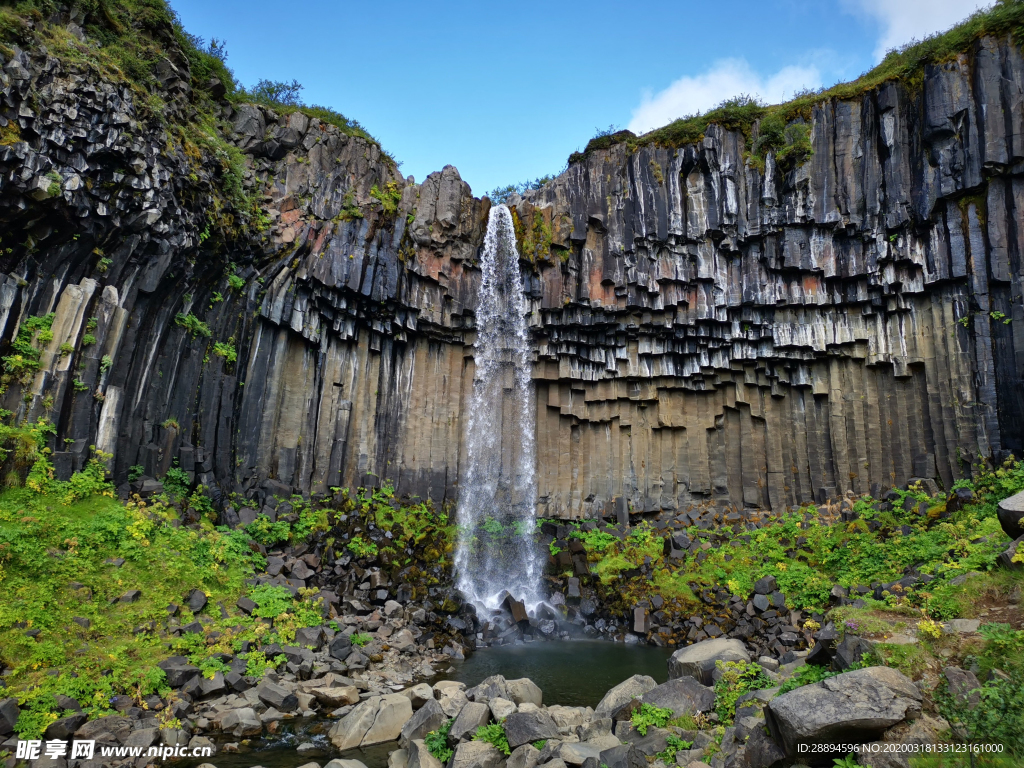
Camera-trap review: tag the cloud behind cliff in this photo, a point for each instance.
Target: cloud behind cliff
(904, 20)
(723, 80)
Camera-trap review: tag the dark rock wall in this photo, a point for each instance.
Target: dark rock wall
(703, 329)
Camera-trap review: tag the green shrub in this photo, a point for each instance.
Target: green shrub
(266, 532)
(647, 715)
(226, 350)
(437, 742)
(806, 675)
(738, 678)
(674, 745)
(193, 325)
(494, 733)
(362, 548)
(360, 639)
(271, 601)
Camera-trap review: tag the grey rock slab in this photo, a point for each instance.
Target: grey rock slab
(524, 690)
(472, 716)
(419, 695)
(524, 756)
(1011, 515)
(683, 695)
(852, 707)
(241, 722)
(348, 732)
(500, 708)
(528, 727)
(339, 763)
(427, 718)
(577, 754)
(489, 688)
(279, 697)
(477, 754)
(698, 660)
(394, 712)
(623, 693)
(420, 757)
(336, 696)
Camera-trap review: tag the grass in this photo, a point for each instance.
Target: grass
(905, 64)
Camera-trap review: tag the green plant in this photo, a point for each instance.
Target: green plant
(389, 197)
(805, 675)
(226, 350)
(80, 386)
(540, 744)
(257, 664)
(738, 678)
(267, 532)
(494, 733)
(176, 482)
(235, 282)
(105, 362)
(66, 349)
(647, 715)
(361, 547)
(360, 640)
(437, 742)
(850, 761)
(193, 325)
(674, 744)
(135, 472)
(271, 601)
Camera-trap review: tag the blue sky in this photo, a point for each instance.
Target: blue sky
(505, 91)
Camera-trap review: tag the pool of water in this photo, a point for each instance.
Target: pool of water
(575, 673)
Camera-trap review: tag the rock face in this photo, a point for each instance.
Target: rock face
(703, 328)
(853, 707)
(1011, 515)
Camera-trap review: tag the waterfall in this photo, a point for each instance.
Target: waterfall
(496, 550)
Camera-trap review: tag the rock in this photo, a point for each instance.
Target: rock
(762, 752)
(1011, 515)
(490, 688)
(241, 723)
(500, 708)
(419, 695)
(472, 716)
(451, 696)
(348, 732)
(274, 695)
(394, 712)
(143, 737)
(216, 684)
(698, 660)
(196, 600)
(341, 647)
(1012, 559)
(477, 754)
(337, 696)
(524, 690)
(578, 753)
(420, 757)
(766, 585)
(623, 693)
(683, 695)
(528, 727)
(963, 685)
(178, 671)
(960, 627)
(427, 718)
(339, 763)
(524, 756)
(309, 637)
(62, 728)
(851, 707)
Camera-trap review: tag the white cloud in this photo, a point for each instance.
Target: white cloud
(726, 78)
(906, 20)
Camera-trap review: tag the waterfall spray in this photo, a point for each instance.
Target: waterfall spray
(498, 485)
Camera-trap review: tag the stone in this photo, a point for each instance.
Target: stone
(309, 637)
(525, 756)
(698, 660)
(489, 688)
(451, 696)
(62, 728)
(348, 732)
(340, 647)
(766, 585)
(427, 718)
(336, 696)
(143, 737)
(274, 695)
(500, 708)
(529, 727)
(1013, 557)
(419, 694)
(477, 754)
(524, 690)
(623, 693)
(851, 707)
(683, 695)
(340, 763)
(9, 714)
(578, 753)
(420, 757)
(1011, 515)
(178, 671)
(394, 712)
(196, 600)
(961, 626)
(762, 752)
(241, 723)
(472, 716)
(963, 685)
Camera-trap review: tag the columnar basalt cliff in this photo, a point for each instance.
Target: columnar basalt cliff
(704, 329)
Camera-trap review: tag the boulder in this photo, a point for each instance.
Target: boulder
(762, 752)
(524, 690)
(61, 729)
(500, 708)
(472, 716)
(348, 732)
(9, 714)
(477, 754)
(178, 671)
(241, 723)
(684, 696)
(1010, 558)
(427, 718)
(698, 660)
(848, 708)
(528, 727)
(340, 647)
(419, 695)
(1011, 515)
(524, 756)
(394, 712)
(451, 696)
(336, 696)
(490, 688)
(577, 753)
(623, 693)
(339, 763)
(276, 696)
(420, 757)
(196, 600)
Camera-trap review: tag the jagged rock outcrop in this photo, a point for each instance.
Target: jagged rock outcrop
(703, 329)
